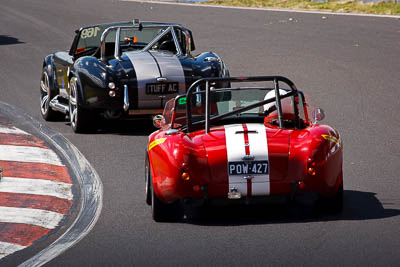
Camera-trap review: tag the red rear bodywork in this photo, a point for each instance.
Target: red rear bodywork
(298, 161)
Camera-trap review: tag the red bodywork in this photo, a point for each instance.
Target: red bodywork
(291, 152)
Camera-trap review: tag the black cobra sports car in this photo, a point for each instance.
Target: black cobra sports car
(121, 70)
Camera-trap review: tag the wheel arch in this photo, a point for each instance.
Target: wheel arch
(165, 168)
(92, 77)
(218, 66)
(325, 152)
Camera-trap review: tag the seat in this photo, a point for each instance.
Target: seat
(168, 45)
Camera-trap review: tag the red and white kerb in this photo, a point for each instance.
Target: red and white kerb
(35, 190)
(247, 140)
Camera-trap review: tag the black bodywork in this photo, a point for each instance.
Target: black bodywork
(121, 76)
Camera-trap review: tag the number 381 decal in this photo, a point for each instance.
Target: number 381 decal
(89, 32)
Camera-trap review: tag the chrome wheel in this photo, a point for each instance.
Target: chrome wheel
(73, 106)
(44, 93)
(48, 92)
(78, 116)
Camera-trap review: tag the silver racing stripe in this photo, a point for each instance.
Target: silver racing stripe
(146, 72)
(172, 69)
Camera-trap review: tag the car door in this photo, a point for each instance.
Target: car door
(63, 62)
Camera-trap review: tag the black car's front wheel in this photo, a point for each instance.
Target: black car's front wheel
(46, 94)
(79, 117)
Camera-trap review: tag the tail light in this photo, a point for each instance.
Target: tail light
(311, 167)
(185, 172)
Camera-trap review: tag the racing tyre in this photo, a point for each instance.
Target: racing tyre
(79, 117)
(147, 181)
(162, 212)
(47, 93)
(333, 204)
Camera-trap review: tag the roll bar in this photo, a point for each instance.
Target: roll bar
(169, 28)
(207, 81)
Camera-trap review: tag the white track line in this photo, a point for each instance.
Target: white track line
(29, 154)
(11, 130)
(8, 248)
(36, 187)
(265, 9)
(43, 218)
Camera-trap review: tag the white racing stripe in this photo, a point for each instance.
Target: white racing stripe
(8, 248)
(36, 187)
(29, 154)
(258, 146)
(43, 218)
(259, 149)
(11, 130)
(234, 142)
(235, 151)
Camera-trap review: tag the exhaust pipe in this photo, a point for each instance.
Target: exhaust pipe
(57, 106)
(126, 98)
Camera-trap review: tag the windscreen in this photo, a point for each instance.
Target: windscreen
(175, 111)
(133, 38)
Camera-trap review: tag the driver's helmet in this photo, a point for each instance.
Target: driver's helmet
(270, 109)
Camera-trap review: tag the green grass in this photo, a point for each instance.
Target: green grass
(334, 6)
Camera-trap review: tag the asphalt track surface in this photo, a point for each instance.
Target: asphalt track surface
(348, 65)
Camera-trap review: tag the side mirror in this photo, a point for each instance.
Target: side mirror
(158, 121)
(318, 115)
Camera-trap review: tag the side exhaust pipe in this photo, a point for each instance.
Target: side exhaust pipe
(57, 106)
(126, 98)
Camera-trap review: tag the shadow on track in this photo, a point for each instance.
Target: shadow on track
(135, 127)
(8, 40)
(357, 206)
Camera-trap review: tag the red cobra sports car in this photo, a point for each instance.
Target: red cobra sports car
(241, 144)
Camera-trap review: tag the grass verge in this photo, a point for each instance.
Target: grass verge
(381, 7)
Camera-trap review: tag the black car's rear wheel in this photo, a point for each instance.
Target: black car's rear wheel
(46, 94)
(79, 117)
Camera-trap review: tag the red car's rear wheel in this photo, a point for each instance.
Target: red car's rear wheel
(147, 181)
(161, 211)
(332, 204)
